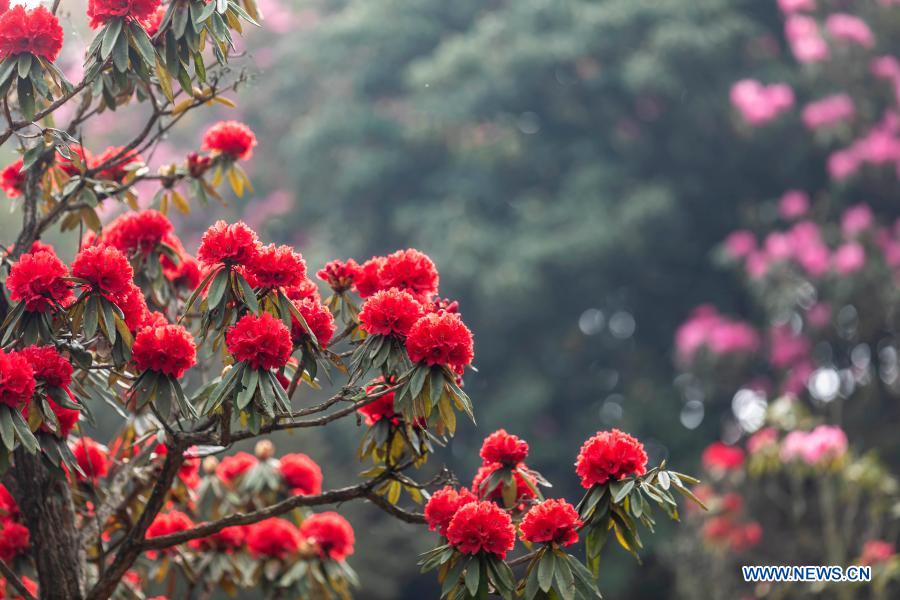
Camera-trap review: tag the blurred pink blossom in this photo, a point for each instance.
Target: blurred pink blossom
(759, 103)
(766, 437)
(804, 38)
(842, 164)
(740, 243)
(786, 347)
(825, 442)
(706, 328)
(856, 219)
(757, 265)
(819, 314)
(885, 67)
(849, 258)
(828, 111)
(792, 6)
(793, 204)
(796, 378)
(851, 29)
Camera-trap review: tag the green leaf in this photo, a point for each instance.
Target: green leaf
(565, 580)
(620, 490)
(473, 575)
(216, 289)
(109, 320)
(24, 64)
(7, 430)
(91, 316)
(6, 68)
(249, 382)
(142, 43)
(247, 293)
(24, 433)
(110, 37)
(546, 569)
(26, 98)
(120, 54)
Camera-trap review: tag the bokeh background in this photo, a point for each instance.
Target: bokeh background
(572, 167)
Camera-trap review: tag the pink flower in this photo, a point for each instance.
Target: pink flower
(819, 314)
(792, 6)
(760, 104)
(825, 442)
(757, 265)
(779, 246)
(827, 111)
(885, 67)
(706, 328)
(850, 29)
(793, 204)
(786, 348)
(842, 164)
(740, 243)
(856, 220)
(766, 437)
(849, 258)
(803, 36)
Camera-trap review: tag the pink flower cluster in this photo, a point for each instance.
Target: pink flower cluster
(880, 146)
(805, 39)
(709, 330)
(850, 29)
(792, 6)
(758, 103)
(828, 111)
(793, 204)
(822, 444)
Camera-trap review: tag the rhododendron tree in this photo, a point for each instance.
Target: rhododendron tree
(195, 354)
(806, 384)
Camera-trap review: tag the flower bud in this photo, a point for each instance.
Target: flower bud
(209, 464)
(264, 449)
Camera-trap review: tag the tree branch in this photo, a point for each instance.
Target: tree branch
(13, 579)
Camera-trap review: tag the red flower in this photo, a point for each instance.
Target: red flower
(262, 342)
(185, 274)
(29, 584)
(717, 529)
(102, 12)
(409, 270)
(389, 312)
(167, 349)
(301, 474)
(876, 551)
(8, 507)
(366, 280)
(610, 455)
(331, 534)
(66, 165)
(16, 379)
(234, 244)
(48, 365)
(38, 280)
(134, 307)
(305, 289)
(746, 536)
(443, 504)
(35, 31)
(118, 160)
(273, 538)
(317, 317)
(722, 457)
(441, 339)
(92, 458)
(67, 417)
(151, 24)
(169, 523)
(524, 491)
(232, 467)
(380, 408)
(14, 540)
(138, 231)
(482, 527)
(12, 179)
(502, 447)
(226, 540)
(231, 138)
(275, 267)
(198, 165)
(553, 521)
(339, 275)
(105, 268)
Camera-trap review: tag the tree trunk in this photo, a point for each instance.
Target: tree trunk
(45, 503)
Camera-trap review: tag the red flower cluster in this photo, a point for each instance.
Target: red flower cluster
(273, 538)
(366, 280)
(609, 456)
(524, 487)
(8, 507)
(151, 24)
(38, 280)
(301, 474)
(189, 471)
(482, 527)
(138, 231)
(339, 275)
(380, 408)
(226, 244)
(49, 366)
(390, 312)
(12, 179)
(233, 467)
(502, 447)
(553, 521)
(442, 506)
(441, 339)
(722, 457)
(409, 270)
(877, 551)
(102, 12)
(738, 537)
(30, 585)
(277, 267)
(330, 533)
(35, 31)
(134, 307)
(119, 160)
(168, 523)
(230, 138)
(305, 289)
(91, 457)
(226, 540)
(16, 379)
(167, 349)
(105, 268)
(14, 540)
(262, 342)
(319, 319)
